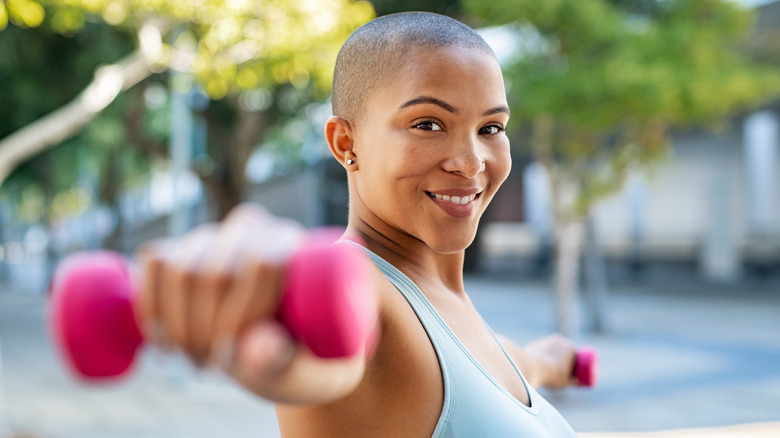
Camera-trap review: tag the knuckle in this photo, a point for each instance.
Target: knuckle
(244, 212)
(221, 280)
(186, 275)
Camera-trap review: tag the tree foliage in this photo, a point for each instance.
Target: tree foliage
(258, 63)
(44, 71)
(228, 45)
(603, 82)
(598, 86)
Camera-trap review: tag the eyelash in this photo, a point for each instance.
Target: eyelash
(499, 129)
(418, 123)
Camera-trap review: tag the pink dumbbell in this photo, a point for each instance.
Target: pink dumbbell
(585, 367)
(327, 304)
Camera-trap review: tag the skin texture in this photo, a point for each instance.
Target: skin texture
(435, 127)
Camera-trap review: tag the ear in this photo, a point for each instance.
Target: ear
(339, 134)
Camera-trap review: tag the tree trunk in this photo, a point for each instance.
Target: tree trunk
(43, 173)
(226, 196)
(567, 274)
(568, 229)
(231, 144)
(110, 177)
(3, 264)
(595, 276)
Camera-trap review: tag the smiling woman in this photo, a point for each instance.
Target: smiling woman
(420, 113)
(419, 123)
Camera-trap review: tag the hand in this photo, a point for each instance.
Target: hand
(554, 356)
(214, 293)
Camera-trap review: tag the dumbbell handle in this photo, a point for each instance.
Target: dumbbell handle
(327, 304)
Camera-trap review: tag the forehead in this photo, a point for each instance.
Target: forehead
(459, 75)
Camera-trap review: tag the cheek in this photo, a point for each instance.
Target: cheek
(501, 164)
(406, 157)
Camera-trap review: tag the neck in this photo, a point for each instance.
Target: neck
(429, 269)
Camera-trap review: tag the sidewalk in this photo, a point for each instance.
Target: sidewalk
(674, 360)
(760, 430)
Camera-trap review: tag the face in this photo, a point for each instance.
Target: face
(430, 148)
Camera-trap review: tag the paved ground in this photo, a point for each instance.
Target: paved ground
(676, 357)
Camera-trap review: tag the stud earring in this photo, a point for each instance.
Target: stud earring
(350, 161)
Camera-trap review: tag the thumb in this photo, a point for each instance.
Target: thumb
(265, 348)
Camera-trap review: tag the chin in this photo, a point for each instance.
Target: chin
(451, 246)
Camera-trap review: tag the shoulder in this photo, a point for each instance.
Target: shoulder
(401, 393)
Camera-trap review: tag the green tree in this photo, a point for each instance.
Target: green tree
(445, 7)
(232, 49)
(44, 70)
(597, 86)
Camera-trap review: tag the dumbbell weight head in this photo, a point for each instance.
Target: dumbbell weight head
(327, 302)
(586, 367)
(91, 316)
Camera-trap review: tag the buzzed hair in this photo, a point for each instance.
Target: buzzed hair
(376, 51)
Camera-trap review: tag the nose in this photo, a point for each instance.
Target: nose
(466, 157)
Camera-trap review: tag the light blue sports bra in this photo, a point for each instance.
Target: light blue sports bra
(475, 404)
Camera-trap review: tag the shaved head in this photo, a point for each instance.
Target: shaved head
(376, 51)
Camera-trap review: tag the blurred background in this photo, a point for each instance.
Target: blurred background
(642, 214)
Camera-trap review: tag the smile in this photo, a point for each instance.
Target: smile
(457, 200)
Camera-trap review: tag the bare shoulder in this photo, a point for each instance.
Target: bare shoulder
(401, 393)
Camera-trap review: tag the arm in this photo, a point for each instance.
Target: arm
(294, 375)
(546, 362)
(215, 293)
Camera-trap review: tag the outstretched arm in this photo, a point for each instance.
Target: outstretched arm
(214, 295)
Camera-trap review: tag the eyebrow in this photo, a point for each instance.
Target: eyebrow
(440, 103)
(431, 100)
(497, 110)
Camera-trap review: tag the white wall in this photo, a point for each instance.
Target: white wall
(695, 206)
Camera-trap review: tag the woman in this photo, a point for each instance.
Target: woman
(419, 118)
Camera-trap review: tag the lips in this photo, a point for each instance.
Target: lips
(454, 199)
(456, 202)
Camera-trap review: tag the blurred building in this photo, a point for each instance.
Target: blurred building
(712, 207)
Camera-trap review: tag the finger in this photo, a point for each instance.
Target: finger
(254, 296)
(256, 288)
(176, 279)
(240, 280)
(268, 237)
(262, 351)
(216, 273)
(149, 258)
(249, 236)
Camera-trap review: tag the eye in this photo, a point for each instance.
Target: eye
(492, 129)
(428, 125)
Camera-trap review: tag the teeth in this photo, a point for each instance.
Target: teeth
(460, 200)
